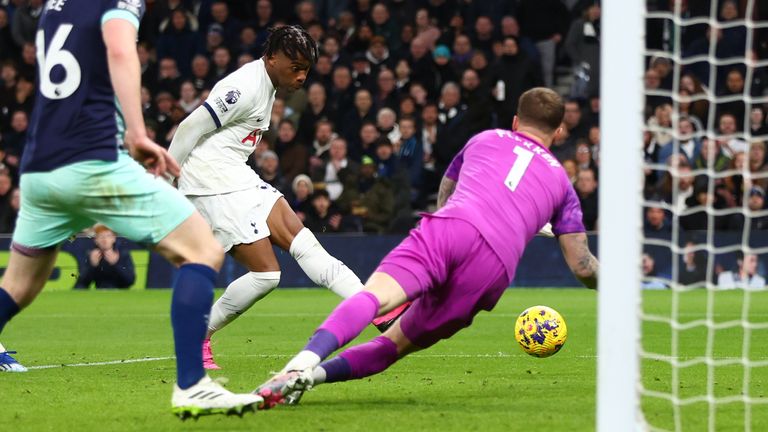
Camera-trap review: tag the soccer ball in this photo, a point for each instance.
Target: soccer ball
(541, 331)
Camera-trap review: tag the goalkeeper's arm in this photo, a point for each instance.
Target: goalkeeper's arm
(190, 132)
(583, 264)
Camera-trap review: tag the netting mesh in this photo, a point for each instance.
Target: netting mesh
(704, 351)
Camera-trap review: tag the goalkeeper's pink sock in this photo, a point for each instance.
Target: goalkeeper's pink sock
(361, 361)
(345, 323)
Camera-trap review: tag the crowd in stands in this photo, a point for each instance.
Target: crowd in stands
(401, 85)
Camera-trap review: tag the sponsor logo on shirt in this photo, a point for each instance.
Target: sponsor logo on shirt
(232, 96)
(132, 6)
(221, 105)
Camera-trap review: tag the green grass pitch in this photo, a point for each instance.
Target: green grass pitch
(479, 380)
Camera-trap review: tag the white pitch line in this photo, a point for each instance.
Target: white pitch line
(106, 363)
(475, 356)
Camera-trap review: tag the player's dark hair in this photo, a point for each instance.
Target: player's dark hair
(541, 108)
(293, 41)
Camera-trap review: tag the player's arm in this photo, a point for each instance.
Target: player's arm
(582, 263)
(119, 30)
(190, 132)
(447, 186)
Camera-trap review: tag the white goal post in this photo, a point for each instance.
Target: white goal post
(619, 247)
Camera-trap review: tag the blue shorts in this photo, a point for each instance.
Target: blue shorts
(450, 273)
(122, 195)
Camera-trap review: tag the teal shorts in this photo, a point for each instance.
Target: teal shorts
(121, 195)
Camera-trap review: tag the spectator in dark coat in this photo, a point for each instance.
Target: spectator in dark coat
(25, 20)
(324, 216)
(452, 129)
(179, 42)
(106, 266)
(512, 75)
(586, 188)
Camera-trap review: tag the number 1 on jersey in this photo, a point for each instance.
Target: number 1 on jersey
(524, 158)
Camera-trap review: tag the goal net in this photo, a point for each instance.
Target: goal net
(684, 241)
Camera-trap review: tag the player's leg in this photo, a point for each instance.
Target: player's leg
(43, 223)
(262, 277)
(152, 211)
(288, 233)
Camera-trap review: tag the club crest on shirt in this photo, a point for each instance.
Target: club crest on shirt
(232, 96)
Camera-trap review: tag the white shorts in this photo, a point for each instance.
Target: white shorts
(238, 217)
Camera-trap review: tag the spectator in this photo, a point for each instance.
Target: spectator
(694, 268)
(333, 172)
(324, 134)
(700, 106)
(484, 35)
(15, 140)
(169, 79)
(25, 20)
(222, 63)
(734, 86)
(573, 122)
(306, 13)
(385, 95)
(656, 223)
(685, 107)
(445, 70)
(389, 168)
(757, 166)
(361, 72)
(689, 145)
(384, 26)
(476, 97)
(269, 171)
(201, 73)
(452, 129)
(755, 203)
(696, 217)
(583, 47)
(545, 22)
(361, 39)
(586, 188)
(679, 176)
(378, 55)
(727, 135)
(571, 170)
(189, 99)
(8, 48)
(386, 122)
(9, 74)
(513, 74)
(179, 42)
(462, 52)
(293, 154)
(511, 27)
(332, 48)
(422, 65)
(402, 76)
(744, 277)
(368, 198)
(650, 278)
(214, 38)
(149, 72)
(711, 156)
(758, 127)
(106, 266)
(736, 184)
(323, 216)
(28, 65)
(354, 119)
(583, 156)
(230, 26)
(660, 125)
(410, 153)
(369, 135)
(316, 110)
(300, 202)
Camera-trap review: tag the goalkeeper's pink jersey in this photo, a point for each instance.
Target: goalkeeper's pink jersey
(508, 187)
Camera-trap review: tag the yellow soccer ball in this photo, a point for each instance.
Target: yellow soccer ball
(541, 331)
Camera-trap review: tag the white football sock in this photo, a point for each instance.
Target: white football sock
(303, 360)
(318, 375)
(240, 295)
(321, 267)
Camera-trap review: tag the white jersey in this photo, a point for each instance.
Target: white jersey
(241, 106)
